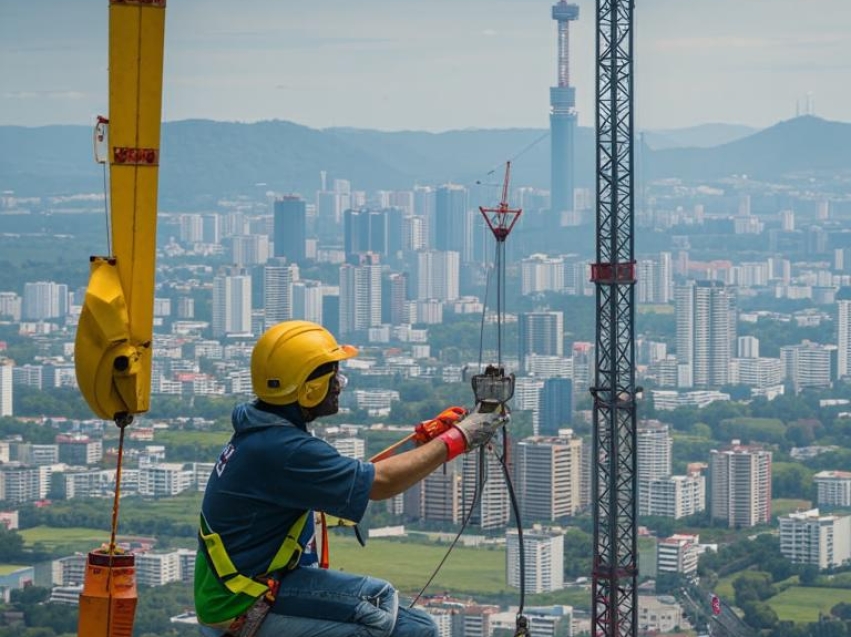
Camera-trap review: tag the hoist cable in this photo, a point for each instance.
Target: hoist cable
(464, 522)
(515, 507)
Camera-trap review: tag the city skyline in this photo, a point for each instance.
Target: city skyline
(435, 66)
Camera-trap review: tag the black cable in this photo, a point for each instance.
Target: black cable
(515, 507)
(476, 496)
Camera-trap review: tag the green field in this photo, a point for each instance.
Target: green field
(7, 569)
(782, 506)
(73, 539)
(409, 565)
(803, 604)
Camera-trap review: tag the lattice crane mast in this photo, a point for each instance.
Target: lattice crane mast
(614, 610)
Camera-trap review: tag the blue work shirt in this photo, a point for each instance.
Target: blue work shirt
(270, 472)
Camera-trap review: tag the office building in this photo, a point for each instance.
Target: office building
(544, 558)
(706, 333)
(232, 305)
(740, 485)
(555, 407)
(540, 333)
(453, 227)
(77, 450)
(807, 537)
(549, 477)
(290, 219)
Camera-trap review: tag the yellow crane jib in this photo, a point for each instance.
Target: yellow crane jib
(112, 350)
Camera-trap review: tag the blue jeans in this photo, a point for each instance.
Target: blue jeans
(315, 602)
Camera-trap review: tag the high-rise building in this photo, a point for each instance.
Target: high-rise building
(249, 249)
(706, 333)
(833, 488)
(544, 559)
(678, 554)
(232, 305)
(807, 537)
(307, 301)
(673, 496)
(809, 364)
(655, 280)
(540, 333)
(10, 306)
(6, 389)
(562, 118)
(453, 229)
(740, 485)
(487, 498)
(549, 477)
(437, 275)
(279, 277)
(556, 406)
(291, 228)
(442, 493)
(843, 325)
(396, 299)
(44, 300)
(360, 296)
(653, 451)
(365, 231)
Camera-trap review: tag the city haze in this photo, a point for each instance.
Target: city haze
(433, 66)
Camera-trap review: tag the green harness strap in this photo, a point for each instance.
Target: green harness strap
(286, 557)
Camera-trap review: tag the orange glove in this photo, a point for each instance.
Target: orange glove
(429, 429)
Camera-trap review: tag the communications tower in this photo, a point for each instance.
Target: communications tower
(562, 118)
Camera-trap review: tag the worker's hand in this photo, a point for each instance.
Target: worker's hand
(474, 431)
(431, 429)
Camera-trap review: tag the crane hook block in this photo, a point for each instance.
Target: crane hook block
(111, 370)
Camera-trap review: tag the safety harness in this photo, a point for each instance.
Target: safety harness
(244, 600)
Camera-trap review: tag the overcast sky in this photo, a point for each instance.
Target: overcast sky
(432, 65)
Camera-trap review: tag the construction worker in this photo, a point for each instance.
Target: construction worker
(254, 572)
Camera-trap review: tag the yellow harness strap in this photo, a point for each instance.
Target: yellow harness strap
(286, 557)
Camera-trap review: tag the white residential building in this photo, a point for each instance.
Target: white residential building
(806, 537)
(678, 554)
(834, 488)
(164, 479)
(544, 559)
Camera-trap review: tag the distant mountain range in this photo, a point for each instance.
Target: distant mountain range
(204, 161)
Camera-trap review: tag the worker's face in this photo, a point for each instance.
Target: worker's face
(330, 405)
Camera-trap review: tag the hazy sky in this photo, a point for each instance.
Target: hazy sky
(432, 65)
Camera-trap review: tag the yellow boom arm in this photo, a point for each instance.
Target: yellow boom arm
(112, 350)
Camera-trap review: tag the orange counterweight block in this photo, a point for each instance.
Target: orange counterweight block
(108, 600)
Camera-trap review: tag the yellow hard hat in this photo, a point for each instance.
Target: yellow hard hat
(286, 355)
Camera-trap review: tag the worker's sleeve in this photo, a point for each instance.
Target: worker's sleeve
(318, 477)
